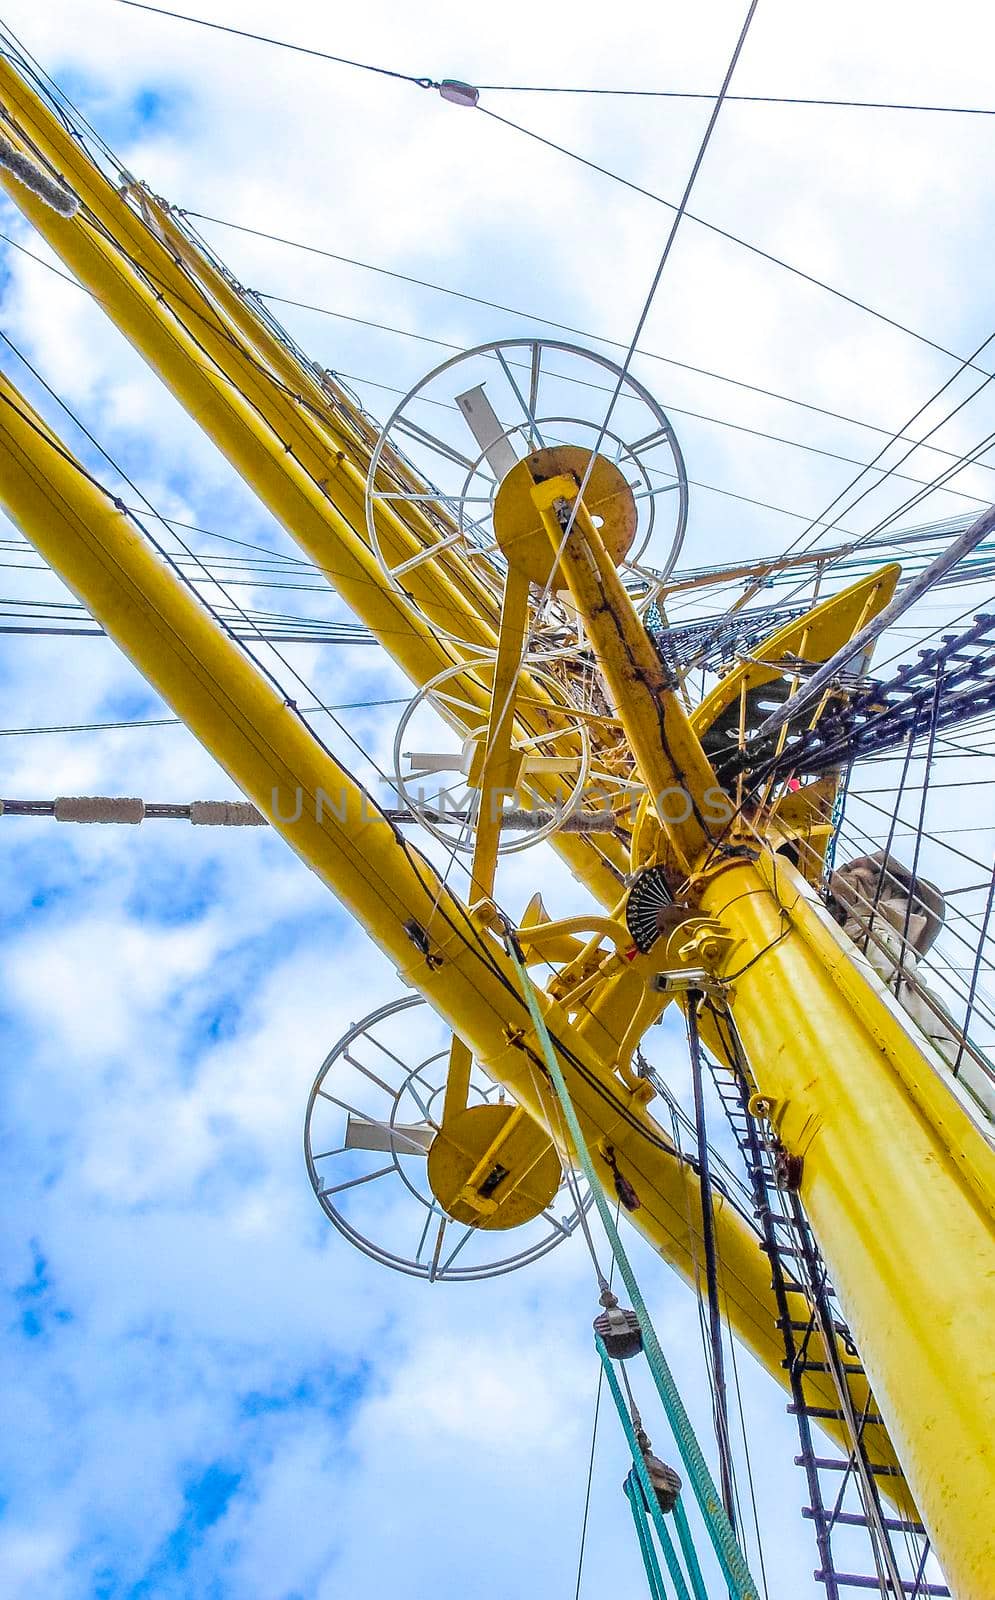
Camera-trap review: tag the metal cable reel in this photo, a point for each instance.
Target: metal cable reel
(373, 1113)
(553, 763)
(452, 440)
(566, 773)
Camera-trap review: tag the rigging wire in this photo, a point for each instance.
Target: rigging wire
(177, 722)
(594, 1439)
(680, 212)
(724, 233)
(218, 327)
(468, 935)
(738, 99)
(539, 88)
(446, 344)
(953, 984)
(577, 501)
(530, 316)
(677, 410)
(72, 461)
(972, 993)
(582, 1551)
(818, 527)
(282, 44)
(968, 362)
(428, 83)
(479, 941)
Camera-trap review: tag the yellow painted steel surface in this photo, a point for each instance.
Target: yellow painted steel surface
(813, 637)
(898, 1180)
(669, 757)
(899, 1185)
(268, 751)
(294, 460)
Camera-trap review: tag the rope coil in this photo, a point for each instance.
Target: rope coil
(52, 191)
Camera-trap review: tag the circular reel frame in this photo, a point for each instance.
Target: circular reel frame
(413, 1267)
(662, 433)
(573, 802)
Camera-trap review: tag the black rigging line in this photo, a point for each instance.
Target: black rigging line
(677, 411)
(724, 233)
(935, 839)
(721, 1405)
(949, 975)
(819, 522)
(177, 722)
(513, 311)
(680, 212)
(740, 99)
(482, 948)
(934, 714)
(972, 992)
(680, 411)
(819, 526)
(283, 44)
(416, 861)
(541, 88)
(215, 324)
(594, 1439)
(969, 458)
(721, 422)
(255, 632)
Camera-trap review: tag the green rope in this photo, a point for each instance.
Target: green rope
(730, 1556)
(690, 1553)
(642, 1473)
(637, 1504)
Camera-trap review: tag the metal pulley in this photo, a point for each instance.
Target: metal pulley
(618, 1329)
(666, 1483)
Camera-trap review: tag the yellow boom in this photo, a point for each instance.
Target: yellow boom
(897, 1175)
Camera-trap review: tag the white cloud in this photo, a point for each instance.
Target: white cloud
(390, 1435)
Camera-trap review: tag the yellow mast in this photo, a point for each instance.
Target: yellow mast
(310, 478)
(897, 1177)
(427, 933)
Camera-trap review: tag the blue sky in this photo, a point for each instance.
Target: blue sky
(208, 1394)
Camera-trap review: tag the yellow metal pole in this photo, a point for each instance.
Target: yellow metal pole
(669, 756)
(898, 1180)
(899, 1184)
(337, 830)
(496, 773)
(321, 508)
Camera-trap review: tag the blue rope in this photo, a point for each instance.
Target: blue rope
(730, 1556)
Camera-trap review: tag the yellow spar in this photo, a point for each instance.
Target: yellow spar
(392, 891)
(898, 1177)
(896, 1171)
(310, 478)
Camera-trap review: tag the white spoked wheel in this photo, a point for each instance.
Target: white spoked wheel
(447, 446)
(373, 1111)
(554, 751)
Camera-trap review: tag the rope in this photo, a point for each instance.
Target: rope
(679, 213)
(284, 44)
(642, 1474)
(730, 1556)
(55, 194)
(654, 1577)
